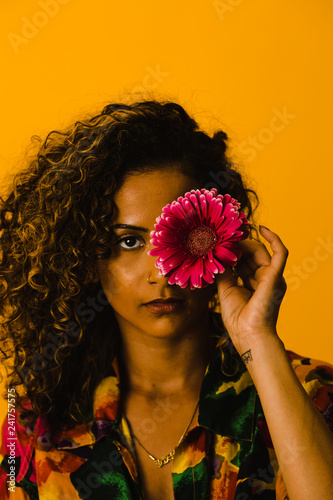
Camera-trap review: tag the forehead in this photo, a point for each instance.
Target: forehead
(143, 195)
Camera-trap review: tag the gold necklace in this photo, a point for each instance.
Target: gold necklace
(169, 456)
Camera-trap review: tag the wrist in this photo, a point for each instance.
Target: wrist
(260, 348)
(264, 337)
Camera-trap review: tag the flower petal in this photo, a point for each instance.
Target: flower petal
(225, 255)
(182, 220)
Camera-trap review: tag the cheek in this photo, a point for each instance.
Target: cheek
(118, 281)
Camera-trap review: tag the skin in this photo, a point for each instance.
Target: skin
(164, 357)
(150, 334)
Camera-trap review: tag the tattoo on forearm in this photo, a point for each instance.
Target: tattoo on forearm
(247, 357)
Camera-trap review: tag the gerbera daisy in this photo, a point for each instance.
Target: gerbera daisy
(196, 235)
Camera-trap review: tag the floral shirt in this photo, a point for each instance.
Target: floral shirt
(227, 453)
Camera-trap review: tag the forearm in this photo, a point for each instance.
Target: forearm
(301, 439)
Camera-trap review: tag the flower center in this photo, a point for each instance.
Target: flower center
(201, 240)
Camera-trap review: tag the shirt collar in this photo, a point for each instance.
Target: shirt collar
(226, 406)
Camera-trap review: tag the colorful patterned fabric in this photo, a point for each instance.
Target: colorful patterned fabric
(227, 453)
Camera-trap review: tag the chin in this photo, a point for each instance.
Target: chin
(171, 326)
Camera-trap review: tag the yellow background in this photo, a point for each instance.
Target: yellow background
(235, 64)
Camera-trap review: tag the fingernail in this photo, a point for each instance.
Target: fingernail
(264, 227)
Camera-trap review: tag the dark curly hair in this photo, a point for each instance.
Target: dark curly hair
(56, 221)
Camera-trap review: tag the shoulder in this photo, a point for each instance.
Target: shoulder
(316, 377)
(312, 373)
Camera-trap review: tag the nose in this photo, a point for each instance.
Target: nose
(153, 274)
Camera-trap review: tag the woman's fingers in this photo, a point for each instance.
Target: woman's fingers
(257, 267)
(255, 305)
(247, 275)
(271, 284)
(254, 256)
(256, 262)
(254, 253)
(280, 252)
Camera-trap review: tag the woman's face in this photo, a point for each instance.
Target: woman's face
(124, 276)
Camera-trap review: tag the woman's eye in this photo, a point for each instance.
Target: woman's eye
(130, 242)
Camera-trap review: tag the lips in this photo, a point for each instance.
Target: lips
(164, 301)
(164, 306)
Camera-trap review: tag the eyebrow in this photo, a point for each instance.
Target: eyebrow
(129, 226)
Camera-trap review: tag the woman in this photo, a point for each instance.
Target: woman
(130, 387)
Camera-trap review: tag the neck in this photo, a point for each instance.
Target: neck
(160, 367)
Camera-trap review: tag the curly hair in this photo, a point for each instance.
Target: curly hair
(56, 221)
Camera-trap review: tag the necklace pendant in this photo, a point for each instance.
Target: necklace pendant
(165, 460)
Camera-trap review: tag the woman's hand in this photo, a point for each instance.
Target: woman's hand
(251, 310)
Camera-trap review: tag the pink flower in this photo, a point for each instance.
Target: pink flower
(195, 235)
